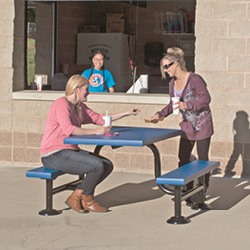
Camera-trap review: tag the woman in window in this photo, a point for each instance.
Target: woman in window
(100, 79)
(66, 117)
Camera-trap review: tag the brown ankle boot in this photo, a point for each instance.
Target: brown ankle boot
(74, 201)
(90, 204)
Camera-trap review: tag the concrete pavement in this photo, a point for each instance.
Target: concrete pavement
(137, 220)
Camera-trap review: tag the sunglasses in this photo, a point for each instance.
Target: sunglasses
(167, 66)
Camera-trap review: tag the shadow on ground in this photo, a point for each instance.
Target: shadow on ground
(130, 193)
(227, 192)
(223, 193)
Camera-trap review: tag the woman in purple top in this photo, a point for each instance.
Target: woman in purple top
(67, 116)
(197, 124)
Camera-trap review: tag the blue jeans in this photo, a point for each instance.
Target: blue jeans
(93, 168)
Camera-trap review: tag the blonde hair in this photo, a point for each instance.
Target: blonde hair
(74, 82)
(174, 54)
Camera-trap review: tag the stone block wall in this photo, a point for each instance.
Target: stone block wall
(7, 15)
(222, 57)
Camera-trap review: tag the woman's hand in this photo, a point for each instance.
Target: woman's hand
(182, 106)
(134, 111)
(155, 118)
(118, 116)
(102, 130)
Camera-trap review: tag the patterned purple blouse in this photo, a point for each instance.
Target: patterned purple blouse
(197, 121)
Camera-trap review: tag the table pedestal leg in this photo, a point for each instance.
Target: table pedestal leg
(157, 166)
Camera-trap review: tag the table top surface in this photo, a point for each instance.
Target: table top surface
(127, 136)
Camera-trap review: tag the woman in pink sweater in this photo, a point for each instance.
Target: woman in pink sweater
(66, 117)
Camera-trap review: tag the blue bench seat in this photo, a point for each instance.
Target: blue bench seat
(49, 175)
(187, 173)
(44, 173)
(178, 178)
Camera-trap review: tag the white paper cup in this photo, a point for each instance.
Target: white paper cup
(176, 111)
(107, 121)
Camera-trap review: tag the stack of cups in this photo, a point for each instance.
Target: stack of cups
(39, 82)
(175, 100)
(144, 83)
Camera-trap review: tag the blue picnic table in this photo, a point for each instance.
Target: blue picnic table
(129, 136)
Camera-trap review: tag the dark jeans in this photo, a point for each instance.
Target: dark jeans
(93, 168)
(185, 150)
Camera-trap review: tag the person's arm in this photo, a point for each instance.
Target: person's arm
(110, 81)
(95, 131)
(86, 73)
(118, 116)
(65, 118)
(111, 90)
(155, 118)
(90, 116)
(95, 118)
